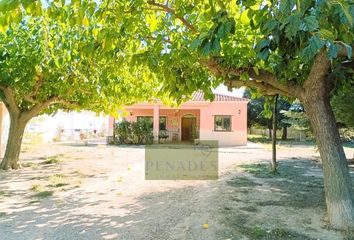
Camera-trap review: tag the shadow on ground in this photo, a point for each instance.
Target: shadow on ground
(250, 203)
(297, 187)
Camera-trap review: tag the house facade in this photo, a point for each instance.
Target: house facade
(224, 119)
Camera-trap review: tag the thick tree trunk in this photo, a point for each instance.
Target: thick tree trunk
(284, 135)
(13, 147)
(337, 182)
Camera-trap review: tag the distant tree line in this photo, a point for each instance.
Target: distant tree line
(292, 114)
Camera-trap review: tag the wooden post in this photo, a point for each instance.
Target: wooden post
(274, 136)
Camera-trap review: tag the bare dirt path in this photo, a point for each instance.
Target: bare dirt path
(99, 192)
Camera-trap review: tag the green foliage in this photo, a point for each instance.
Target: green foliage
(281, 37)
(138, 132)
(257, 232)
(259, 111)
(59, 56)
(342, 103)
(65, 55)
(141, 132)
(170, 43)
(297, 118)
(122, 131)
(347, 134)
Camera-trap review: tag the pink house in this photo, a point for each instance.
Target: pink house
(224, 119)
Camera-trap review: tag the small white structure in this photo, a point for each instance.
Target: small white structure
(62, 126)
(67, 126)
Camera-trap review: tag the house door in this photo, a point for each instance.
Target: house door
(188, 126)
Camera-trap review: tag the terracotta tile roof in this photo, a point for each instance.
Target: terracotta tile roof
(198, 96)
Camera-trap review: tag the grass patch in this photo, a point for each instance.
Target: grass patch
(239, 224)
(37, 188)
(249, 209)
(294, 185)
(79, 174)
(282, 233)
(4, 194)
(259, 139)
(2, 214)
(52, 160)
(267, 140)
(256, 232)
(31, 165)
(58, 180)
(43, 194)
(242, 182)
(260, 170)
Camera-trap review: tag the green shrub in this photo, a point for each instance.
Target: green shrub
(138, 132)
(122, 132)
(141, 131)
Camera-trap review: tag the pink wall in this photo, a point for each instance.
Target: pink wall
(238, 133)
(138, 112)
(204, 112)
(238, 112)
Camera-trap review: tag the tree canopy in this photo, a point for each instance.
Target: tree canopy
(56, 58)
(268, 45)
(274, 42)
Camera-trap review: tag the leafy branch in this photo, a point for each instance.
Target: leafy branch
(172, 11)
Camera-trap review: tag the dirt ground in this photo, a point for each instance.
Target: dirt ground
(99, 192)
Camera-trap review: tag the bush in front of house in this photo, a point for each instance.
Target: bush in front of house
(122, 132)
(138, 132)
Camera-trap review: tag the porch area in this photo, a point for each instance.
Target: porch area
(168, 124)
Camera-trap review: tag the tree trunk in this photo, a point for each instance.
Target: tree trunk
(337, 182)
(284, 135)
(274, 136)
(13, 146)
(269, 133)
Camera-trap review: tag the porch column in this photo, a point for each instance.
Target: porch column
(156, 122)
(1, 119)
(206, 124)
(111, 121)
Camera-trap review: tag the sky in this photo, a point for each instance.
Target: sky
(222, 89)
